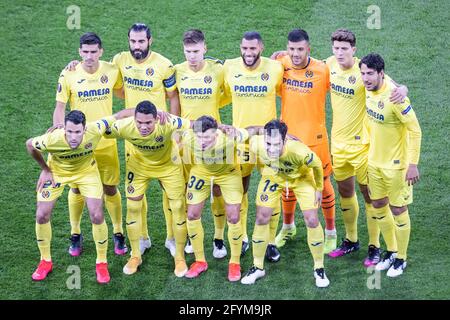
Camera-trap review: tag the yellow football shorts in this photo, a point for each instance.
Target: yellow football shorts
(108, 165)
(350, 160)
(169, 174)
(87, 181)
(389, 183)
(271, 186)
(200, 184)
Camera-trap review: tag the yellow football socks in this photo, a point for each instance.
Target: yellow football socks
(44, 238)
(196, 234)
(100, 235)
(76, 205)
(402, 232)
(315, 240)
(350, 211)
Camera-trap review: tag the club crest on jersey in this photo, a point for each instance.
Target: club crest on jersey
(150, 71)
(190, 195)
(309, 74)
(264, 197)
(380, 104)
(59, 87)
(264, 76)
(88, 146)
(130, 189)
(45, 194)
(104, 79)
(159, 139)
(352, 79)
(207, 79)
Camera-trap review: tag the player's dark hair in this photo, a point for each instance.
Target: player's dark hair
(276, 127)
(146, 107)
(76, 117)
(344, 35)
(298, 35)
(373, 61)
(193, 36)
(205, 123)
(138, 27)
(90, 38)
(252, 35)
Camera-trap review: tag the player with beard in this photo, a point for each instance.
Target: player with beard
(147, 75)
(252, 82)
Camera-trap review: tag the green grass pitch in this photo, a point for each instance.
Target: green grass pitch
(36, 45)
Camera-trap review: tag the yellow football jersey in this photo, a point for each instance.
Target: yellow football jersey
(90, 93)
(394, 131)
(253, 92)
(148, 80)
(296, 161)
(154, 150)
(200, 92)
(218, 159)
(348, 97)
(66, 161)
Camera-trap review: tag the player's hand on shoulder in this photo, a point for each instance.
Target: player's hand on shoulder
(164, 117)
(54, 127)
(278, 54)
(228, 130)
(399, 94)
(72, 65)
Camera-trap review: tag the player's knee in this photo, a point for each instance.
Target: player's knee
(380, 203)
(42, 217)
(97, 216)
(176, 205)
(193, 215)
(311, 222)
(43, 213)
(398, 210)
(233, 217)
(346, 189)
(263, 214)
(262, 218)
(311, 218)
(109, 190)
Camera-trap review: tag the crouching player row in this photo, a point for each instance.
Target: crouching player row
(286, 164)
(71, 161)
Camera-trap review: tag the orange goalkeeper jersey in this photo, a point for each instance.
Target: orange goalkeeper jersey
(303, 96)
